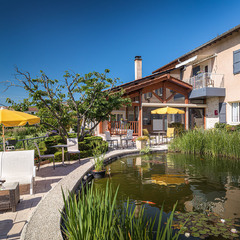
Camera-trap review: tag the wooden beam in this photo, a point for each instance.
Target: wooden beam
(145, 83)
(164, 93)
(170, 97)
(159, 98)
(152, 87)
(135, 104)
(180, 83)
(177, 88)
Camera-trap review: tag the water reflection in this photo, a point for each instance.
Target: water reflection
(198, 184)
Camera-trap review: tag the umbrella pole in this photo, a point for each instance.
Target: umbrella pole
(3, 138)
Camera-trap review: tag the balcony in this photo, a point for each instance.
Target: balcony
(207, 85)
(207, 80)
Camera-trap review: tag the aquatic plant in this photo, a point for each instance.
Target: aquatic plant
(204, 225)
(95, 215)
(215, 142)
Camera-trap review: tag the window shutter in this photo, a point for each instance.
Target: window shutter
(222, 112)
(236, 62)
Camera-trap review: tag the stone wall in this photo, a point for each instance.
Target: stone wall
(211, 118)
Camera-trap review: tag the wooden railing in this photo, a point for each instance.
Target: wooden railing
(121, 127)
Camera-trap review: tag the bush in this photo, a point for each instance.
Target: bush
(85, 147)
(143, 138)
(178, 128)
(220, 125)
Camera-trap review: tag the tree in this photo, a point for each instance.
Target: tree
(77, 100)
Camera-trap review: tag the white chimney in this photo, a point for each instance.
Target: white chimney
(138, 67)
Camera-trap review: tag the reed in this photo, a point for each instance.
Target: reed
(215, 142)
(96, 215)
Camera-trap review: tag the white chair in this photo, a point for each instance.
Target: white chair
(44, 157)
(73, 146)
(18, 166)
(109, 139)
(129, 137)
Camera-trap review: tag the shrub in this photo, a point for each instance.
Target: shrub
(142, 138)
(178, 128)
(220, 125)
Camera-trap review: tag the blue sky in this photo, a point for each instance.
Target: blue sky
(84, 36)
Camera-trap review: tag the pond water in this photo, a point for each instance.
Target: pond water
(197, 184)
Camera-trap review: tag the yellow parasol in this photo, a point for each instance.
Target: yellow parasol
(167, 110)
(168, 179)
(9, 118)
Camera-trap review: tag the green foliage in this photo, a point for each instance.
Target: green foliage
(145, 150)
(86, 147)
(96, 215)
(74, 102)
(98, 150)
(178, 128)
(142, 138)
(227, 127)
(205, 225)
(215, 142)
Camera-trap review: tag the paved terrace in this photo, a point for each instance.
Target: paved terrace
(37, 216)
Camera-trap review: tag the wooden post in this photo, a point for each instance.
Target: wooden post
(164, 93)
(100, 127)
(140, 115)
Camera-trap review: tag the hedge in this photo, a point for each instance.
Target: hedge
(85, 147)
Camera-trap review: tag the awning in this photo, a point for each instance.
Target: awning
(190, 60)
(195, 60)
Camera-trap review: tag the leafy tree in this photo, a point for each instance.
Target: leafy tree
(76, 100)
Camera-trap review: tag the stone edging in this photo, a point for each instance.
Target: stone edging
(45, 220)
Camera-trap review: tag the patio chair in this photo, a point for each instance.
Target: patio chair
(129, 137)
(44, 157)
(109, 139)
(169, 135)
(73, 147)
(18, 166)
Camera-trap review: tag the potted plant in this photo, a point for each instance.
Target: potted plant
(98, 156)
(141, 142)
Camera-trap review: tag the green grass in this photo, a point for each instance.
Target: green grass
(96, 215)
(215, 142)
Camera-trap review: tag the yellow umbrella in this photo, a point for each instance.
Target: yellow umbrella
(9, 118)
(167, 110)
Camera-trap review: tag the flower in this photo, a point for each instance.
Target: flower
(222, 220)
(233, 230)
(187, 234)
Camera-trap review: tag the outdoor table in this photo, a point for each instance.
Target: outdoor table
(159, 134)
(120, 135)
(9, 195)
(62, 146)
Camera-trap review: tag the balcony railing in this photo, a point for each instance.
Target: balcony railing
(206, 80)
(121, 127)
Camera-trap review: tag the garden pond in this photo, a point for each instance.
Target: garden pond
(207, 191)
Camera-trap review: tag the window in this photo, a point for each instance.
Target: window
(236, 62)
(147, 96)
(195, 71)
(159, 92)
(235, 112)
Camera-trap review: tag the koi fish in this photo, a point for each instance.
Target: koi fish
(148, 202)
